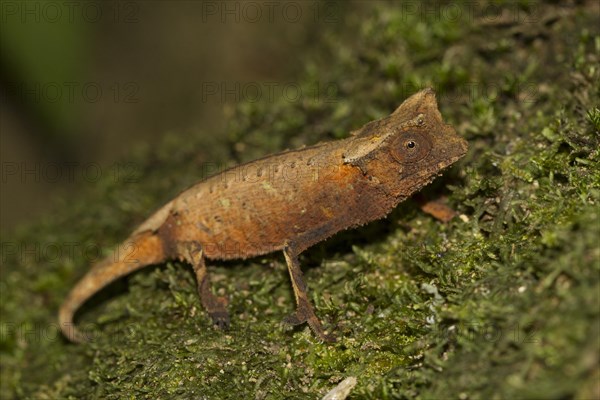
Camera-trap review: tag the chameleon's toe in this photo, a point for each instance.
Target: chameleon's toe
(317, 328)
(220, 319)
(303, 315)
(328, 338)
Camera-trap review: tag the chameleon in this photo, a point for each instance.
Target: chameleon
(286, 202)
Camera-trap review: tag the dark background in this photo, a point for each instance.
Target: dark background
(83, 84)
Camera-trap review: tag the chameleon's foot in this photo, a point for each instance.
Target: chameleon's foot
(326, 337)
(220, 319)
(304, 311)
(304, 314)
(293, 320)
(216, 308)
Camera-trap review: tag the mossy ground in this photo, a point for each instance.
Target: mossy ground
(502, 302)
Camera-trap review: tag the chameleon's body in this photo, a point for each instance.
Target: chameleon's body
(288, 201)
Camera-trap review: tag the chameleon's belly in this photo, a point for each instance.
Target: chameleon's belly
(260, 207)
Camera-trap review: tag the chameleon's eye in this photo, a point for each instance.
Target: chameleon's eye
(411, 147)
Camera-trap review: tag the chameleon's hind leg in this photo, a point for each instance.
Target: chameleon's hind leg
(304, 311)
(215, 306)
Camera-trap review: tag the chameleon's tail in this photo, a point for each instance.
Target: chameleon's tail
(137, 252)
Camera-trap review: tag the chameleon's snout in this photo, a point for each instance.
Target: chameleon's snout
(464, 146)
(456, 150)
(452, 144)
(459, 149)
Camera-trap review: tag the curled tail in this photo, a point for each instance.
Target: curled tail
(138, 251)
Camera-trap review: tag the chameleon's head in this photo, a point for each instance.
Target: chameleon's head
(407, 149)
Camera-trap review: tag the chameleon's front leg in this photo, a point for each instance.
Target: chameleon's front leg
(215, 306)
(304, 311)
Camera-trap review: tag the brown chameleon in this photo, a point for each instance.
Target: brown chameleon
(285, 202)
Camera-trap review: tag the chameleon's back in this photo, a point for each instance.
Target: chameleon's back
(300, 196)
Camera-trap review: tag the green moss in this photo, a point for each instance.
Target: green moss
(499, 303)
